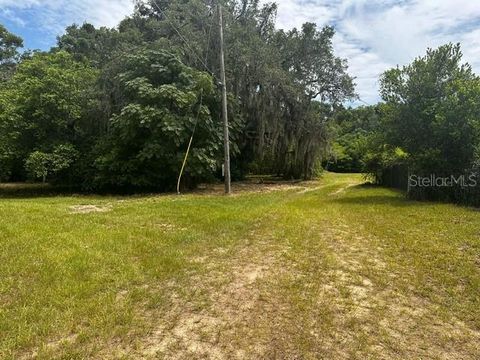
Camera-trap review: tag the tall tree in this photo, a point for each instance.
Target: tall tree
(163, 102)
(9, 45)
(308, 55)
(86, 43)
(434, 113)
(276, 98)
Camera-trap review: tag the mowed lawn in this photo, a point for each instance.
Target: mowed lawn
(328, 269)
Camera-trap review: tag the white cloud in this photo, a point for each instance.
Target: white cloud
(9, 14)
(55, 15)
(293, 13)
(375, 35)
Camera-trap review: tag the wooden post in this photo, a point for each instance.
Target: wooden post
(226, 139)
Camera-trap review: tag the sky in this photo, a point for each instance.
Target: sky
(374, 35)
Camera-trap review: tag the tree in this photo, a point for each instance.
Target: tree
(37, 165)
(433, 111)
(308, 55)
(280, 90)
(9, 44)
(97, 46)
(40, 165)
(149, 134)
(353, 130)
(430, 124)
(45, 104)
(276, 98)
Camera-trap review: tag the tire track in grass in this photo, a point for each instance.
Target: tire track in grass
(307, 281)
(238, 298)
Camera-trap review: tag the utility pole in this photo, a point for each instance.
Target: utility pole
(226, 138)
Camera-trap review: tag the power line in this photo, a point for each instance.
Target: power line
(360, 99)
(183, 38)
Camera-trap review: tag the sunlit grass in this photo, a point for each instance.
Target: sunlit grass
(86, 285)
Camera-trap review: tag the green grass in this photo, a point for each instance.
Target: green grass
(337, 271)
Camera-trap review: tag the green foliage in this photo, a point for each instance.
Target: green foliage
(86, 43)
(44, 105)
(40, 165)
(127, 99)
(63, 156)
(284, 96)
(37, 165)
(429, 123)
(158, 114)
(284, 132)
(433, 111)
(96, 46)
(323, 75)
(353, 133)
(9, 44)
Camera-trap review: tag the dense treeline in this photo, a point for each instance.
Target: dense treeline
(115, 108)
(428, 126)
(432, 118)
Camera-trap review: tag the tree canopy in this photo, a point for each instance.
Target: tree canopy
(429, 123)
(44, 105)
(162, 102)
(9, 45)
(125, 101)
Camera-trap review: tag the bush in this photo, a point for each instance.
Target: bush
(40, 165)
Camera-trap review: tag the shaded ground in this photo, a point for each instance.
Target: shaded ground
(311, 270)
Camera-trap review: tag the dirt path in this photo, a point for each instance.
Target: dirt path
(328, 291)
(237, 300)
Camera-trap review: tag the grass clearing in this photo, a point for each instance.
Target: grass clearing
(329, 269)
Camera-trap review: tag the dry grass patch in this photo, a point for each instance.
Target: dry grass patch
(219, 323)
(86, 209)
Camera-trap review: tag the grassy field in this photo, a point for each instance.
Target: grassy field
(330, 269)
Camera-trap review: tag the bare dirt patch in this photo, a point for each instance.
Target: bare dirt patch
(236, 296)
(259, 186)
(86, 209)
(168, 227)
(392, 323)
(343, 189)
(51, 347)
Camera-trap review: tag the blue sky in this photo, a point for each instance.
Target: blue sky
(373, 35)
